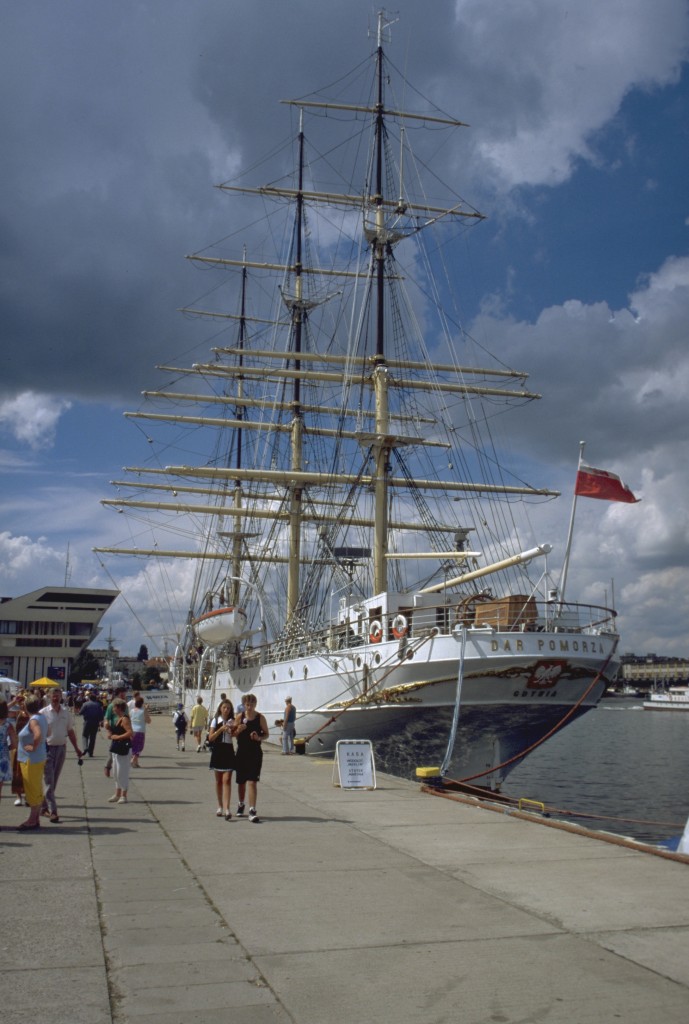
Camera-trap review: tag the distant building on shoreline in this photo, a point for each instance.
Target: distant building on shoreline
(124, 667)
(42, 633)
(653, 671)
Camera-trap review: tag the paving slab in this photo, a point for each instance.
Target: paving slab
(388, 906)
(557, 979)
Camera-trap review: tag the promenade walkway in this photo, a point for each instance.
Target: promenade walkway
(384, 907)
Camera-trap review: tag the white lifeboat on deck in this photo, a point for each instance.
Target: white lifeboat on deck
(217, 627)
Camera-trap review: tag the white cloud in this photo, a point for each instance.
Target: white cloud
(560, 72)
(21, 557)
(620, 383)
(32, 418)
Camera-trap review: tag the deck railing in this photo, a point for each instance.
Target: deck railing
(508, 615)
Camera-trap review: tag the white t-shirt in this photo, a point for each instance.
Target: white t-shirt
(59, 724)
(215, 724)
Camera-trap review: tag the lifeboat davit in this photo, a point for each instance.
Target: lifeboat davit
(217, 627)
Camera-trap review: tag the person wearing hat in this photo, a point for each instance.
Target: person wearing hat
(289, 727)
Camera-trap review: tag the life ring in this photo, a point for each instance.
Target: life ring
(399, 626)
(375, 634)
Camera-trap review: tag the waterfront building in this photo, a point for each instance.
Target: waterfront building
(653, 671)
(43, 632)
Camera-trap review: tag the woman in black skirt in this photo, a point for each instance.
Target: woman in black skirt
(220, 733)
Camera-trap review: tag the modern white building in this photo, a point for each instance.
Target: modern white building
(43, 632)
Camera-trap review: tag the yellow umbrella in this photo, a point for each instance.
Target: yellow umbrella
(44, 683)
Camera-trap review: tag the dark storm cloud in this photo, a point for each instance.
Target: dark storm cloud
(117, 118)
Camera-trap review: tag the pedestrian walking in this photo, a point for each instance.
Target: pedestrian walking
(199, 720)
(19, 717)
(91, 712)
(179, 720)
(221, 731)
(251, 729)
(31, 754)
(60, 729)
(140, 717)
(8, 744)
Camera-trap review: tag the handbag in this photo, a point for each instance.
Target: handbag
(212, 744)
(120, 746)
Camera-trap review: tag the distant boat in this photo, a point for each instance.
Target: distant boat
(674, 699)
(357, 533)
(624, 691)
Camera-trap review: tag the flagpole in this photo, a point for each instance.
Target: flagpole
(570, 532)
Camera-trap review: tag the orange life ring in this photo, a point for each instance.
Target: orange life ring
(399, 626)
(375, 634)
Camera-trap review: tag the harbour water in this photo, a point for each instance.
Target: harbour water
(618, 761)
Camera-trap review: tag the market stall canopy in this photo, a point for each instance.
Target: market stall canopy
(44, 683)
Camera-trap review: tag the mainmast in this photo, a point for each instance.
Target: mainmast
(379, 247)
(233, 596)
(295, 304)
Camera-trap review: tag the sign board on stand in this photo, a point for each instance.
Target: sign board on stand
(158, 700)
(355, 765)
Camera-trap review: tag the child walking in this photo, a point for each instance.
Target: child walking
(179, 720)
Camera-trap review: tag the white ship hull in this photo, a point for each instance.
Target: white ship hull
(516, 687)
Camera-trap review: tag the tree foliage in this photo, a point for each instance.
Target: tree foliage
(86, 666)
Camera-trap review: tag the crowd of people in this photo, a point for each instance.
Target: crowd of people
(35, 728)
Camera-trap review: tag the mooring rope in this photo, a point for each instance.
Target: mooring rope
(551, 732)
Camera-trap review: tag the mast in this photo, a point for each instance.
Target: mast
(296, 306)
(381, 450)
(233, 595)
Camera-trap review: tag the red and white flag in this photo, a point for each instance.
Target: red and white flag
(597, 483)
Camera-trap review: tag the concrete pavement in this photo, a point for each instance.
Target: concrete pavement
(389, 906)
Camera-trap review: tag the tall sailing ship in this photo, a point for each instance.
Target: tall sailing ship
(356, 541)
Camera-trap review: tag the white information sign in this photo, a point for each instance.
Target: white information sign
(158, 700)
(355, 764)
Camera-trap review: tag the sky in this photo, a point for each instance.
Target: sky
(117, 120)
